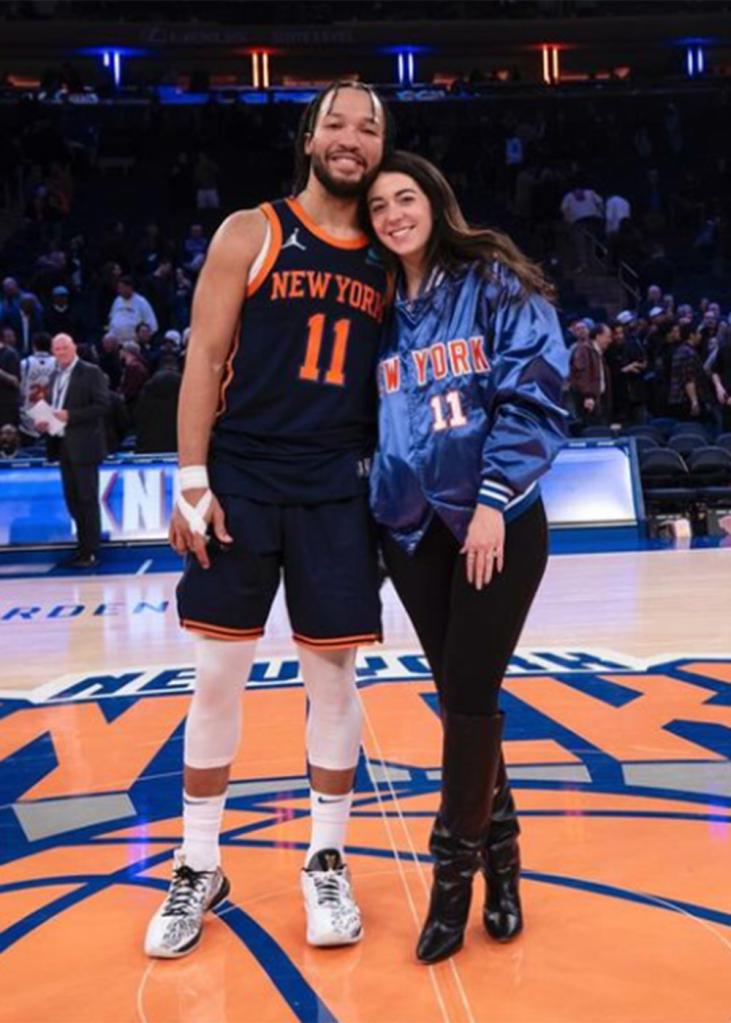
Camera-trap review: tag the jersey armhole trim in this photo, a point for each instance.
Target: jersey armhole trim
(269, 252)
(261, 256)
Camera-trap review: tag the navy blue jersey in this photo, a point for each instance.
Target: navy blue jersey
(297, 420)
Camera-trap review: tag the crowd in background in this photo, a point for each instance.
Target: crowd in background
(663, 361)
(117, 206)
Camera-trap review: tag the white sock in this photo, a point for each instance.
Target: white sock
(201, 828)
(329, 815)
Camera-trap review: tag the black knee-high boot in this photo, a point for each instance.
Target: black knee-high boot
(502, 914)
(470, 758)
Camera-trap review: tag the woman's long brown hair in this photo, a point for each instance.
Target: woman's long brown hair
(453, 242)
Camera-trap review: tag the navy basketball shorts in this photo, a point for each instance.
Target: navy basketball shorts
(326, 554)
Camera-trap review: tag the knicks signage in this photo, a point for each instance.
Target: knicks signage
(572, 716)
(588, 483)
(136, 499)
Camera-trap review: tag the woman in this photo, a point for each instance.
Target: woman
(470, 382)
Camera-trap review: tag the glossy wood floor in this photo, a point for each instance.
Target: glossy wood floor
(618, 742)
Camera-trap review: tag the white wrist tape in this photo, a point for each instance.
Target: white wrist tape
(194, 515)
(193, 477)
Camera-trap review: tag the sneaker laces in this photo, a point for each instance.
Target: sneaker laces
(327, 888)
(185, 891)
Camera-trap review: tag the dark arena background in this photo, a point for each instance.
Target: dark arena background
(596, 134)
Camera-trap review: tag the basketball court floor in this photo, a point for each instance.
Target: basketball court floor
(618, 742)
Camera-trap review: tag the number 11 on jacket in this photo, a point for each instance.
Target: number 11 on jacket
(454, 413)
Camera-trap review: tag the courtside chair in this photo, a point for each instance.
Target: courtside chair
(686, 443)
(665, 481)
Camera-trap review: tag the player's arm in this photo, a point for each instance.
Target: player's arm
(217, 303)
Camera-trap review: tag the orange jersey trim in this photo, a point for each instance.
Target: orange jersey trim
(228, 372)
(219, 631)
(338, 642)
(361, 242)
(275, 247)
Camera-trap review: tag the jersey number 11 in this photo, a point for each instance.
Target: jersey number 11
(310, 368)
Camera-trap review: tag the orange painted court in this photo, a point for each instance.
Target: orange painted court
(617, 743)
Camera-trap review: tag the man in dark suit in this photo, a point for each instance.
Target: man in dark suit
(26, 321)
(80, 401)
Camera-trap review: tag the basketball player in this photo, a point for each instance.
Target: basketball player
(276, 428)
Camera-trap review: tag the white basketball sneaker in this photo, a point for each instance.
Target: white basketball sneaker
(176, 928)
(333, 917)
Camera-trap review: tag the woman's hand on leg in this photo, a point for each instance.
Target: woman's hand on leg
(484, 546)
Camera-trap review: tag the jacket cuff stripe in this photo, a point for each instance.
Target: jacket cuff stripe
(499, 488)
(499, 495)
(491, 502)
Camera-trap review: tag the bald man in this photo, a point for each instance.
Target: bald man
(79, 396)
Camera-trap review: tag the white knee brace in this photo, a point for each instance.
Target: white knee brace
(335, 718)
(213, 727)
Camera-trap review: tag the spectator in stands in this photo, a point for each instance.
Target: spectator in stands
(205, 178)
(721, 378)
(578, 330)
(195, 247)
(128, 310)
(110, 360)
(116, 422)
(36, 371)
(149, 350)
(157, 409)
(182, 300)
(77, 263)
(686, 395)
(9, 442)
(616, 209)
(9, 378)
(26, 321)
(160, 290)
(7, 336)
(663, 338)
(653, 299)
(106, 287)
(10, 298)
(170, 347)
(627, 363)
(60, 317)
(590, 379)
(583, 210)
(135, 374)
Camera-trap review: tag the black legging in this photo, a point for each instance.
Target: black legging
(469, 636)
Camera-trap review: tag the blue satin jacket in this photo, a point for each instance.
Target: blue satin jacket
(470, 379)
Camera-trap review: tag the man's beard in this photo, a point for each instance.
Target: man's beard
(339, 189)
